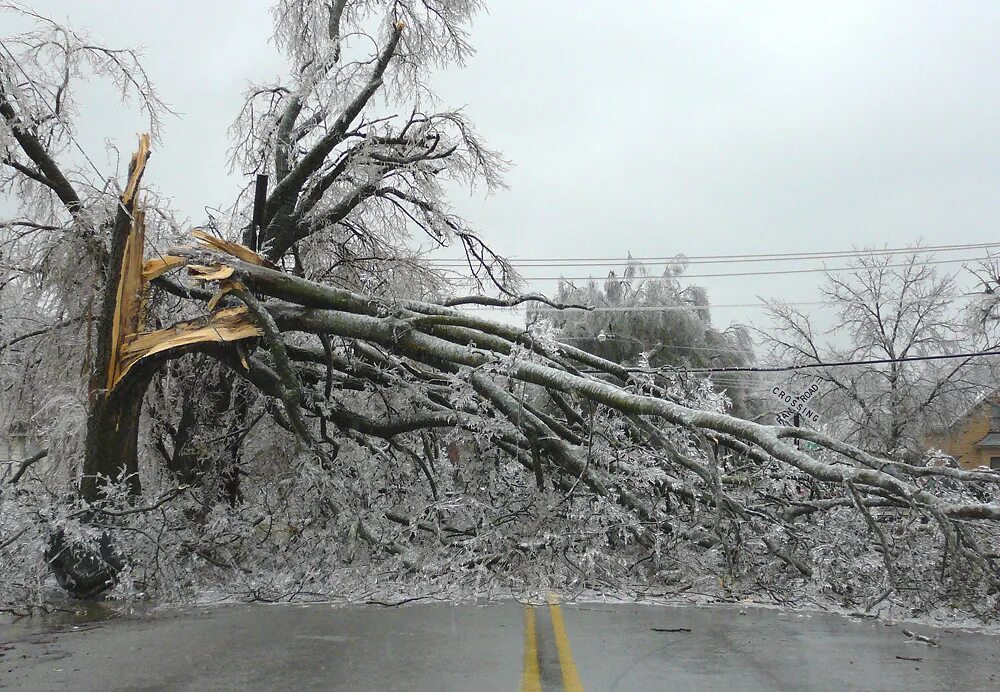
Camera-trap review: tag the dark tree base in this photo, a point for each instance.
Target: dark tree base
(84, 570)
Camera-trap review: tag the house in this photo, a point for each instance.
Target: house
(973, 440)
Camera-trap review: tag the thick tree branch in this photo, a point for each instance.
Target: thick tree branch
(394, 334)
(26, 464)
(50, 173)
(288, 188)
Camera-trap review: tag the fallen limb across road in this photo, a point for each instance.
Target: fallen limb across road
(418, 354)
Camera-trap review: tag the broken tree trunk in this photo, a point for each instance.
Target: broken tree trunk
(87, 569)
(113, 416)
(126, 359)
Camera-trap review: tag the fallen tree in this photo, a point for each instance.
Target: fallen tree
(253, 410)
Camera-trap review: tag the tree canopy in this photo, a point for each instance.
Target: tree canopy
(655, 323)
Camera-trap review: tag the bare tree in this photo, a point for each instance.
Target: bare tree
(888, 311)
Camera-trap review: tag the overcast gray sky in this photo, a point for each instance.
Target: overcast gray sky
(654, 128)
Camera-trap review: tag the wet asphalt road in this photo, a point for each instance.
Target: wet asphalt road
(504, 646)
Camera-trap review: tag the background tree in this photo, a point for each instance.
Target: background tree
(888, 309)
(654, 323)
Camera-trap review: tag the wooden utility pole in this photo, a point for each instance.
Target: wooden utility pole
(259, 199)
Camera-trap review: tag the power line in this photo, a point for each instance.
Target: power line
(807, 366)
(639, 308)
(779, 272)
(527, 307)
(844, 363)
(719, 259)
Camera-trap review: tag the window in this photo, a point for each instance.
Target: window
(995, 463)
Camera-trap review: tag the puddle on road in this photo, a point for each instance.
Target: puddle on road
(71, 616)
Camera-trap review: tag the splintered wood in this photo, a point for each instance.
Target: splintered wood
(216, 272)
(129, 344)
(158, 266)
(229, 324)
(235, 249)
(129, 290)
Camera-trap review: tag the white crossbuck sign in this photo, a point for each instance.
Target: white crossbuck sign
(796, 404)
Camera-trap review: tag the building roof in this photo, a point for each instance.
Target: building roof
(991, 440)
(992, 398)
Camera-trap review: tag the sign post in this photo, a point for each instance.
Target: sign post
(797, 407)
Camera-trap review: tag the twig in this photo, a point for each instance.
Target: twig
(179, 490)
(803, 568)
(884, 595)
(890, 570)
(586, 465)
(38, 332)
(393, 604)
(512, 302)
(13, 538)
(921, 638)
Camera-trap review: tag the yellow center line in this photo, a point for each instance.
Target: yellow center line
(530, 679)
(570, 676)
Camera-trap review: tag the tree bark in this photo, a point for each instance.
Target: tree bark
(112, 435)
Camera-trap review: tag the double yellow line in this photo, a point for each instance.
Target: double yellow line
(531, 680)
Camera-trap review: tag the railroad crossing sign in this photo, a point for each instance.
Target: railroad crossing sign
(797, 404)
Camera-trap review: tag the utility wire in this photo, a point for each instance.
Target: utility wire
(674, 308)
(717, 259)
(526, 307)
(777, 272)
(834, 364)
(637, 308)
